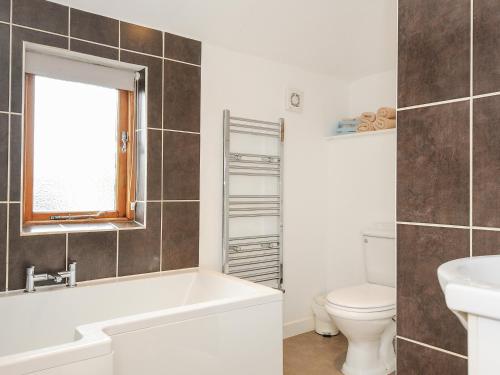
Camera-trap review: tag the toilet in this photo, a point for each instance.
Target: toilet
(366, 313)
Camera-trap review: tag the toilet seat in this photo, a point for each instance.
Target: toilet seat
(363, 302)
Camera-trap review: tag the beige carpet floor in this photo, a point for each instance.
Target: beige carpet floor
(312, 354)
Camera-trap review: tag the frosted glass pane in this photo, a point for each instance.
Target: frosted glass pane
(75, 141)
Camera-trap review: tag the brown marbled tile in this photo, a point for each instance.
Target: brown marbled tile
(413, 359)
(182, 97)
(154, 164)
(5, 10)
(433, 164)
(181, 166)
(4, 66)
(486, 162)
(94, 253)
(41, 14)
(180, 235)
(18, 36)
(3, 244)
(485, 242)
(486, 46)
(141, 39)
(154, 86)
(182, 49)
(94, 28)
(16, 131)
(46, 252)
(4, 156)
(434, 51)
(94, 49)
(139, 250)
(422, 312)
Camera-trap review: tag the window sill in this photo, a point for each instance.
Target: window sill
(104, 226)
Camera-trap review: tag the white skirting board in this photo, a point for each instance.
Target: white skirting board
(296, 327)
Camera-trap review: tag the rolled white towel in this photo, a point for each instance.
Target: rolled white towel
(386, 112)
(367, 116)
(383, 123)
(366, 126)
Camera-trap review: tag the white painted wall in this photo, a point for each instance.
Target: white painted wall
(254, 87)
(333, 189)
(361, 182)
(372, 92)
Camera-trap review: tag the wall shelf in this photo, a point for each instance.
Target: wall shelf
(363, 134)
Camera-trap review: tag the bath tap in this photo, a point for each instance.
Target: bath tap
(57, 277)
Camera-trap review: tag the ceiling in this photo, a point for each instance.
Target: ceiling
(346, 38)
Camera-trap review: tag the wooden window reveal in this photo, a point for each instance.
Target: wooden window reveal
(125, 167)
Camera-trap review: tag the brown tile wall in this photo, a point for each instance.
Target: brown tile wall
(5, 10)
(422, 312)
(434, 51)
(415, 359)
(4, 155)
(486, 162)
(448, 178)
(170, 240)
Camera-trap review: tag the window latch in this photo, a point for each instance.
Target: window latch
(74, 217)
(124, 141)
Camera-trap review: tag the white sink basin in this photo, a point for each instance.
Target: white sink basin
(472, 290)
(472, 286)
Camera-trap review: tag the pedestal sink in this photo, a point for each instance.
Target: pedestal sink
(472, 290)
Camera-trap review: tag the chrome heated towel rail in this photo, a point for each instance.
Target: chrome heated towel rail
(253, 222)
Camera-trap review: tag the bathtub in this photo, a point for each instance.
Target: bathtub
(174, 323)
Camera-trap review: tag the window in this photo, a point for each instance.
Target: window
(79, 142)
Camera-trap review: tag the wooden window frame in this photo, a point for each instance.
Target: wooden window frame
(125, 176)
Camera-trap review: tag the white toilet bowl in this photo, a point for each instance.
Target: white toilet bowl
(364, 314)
